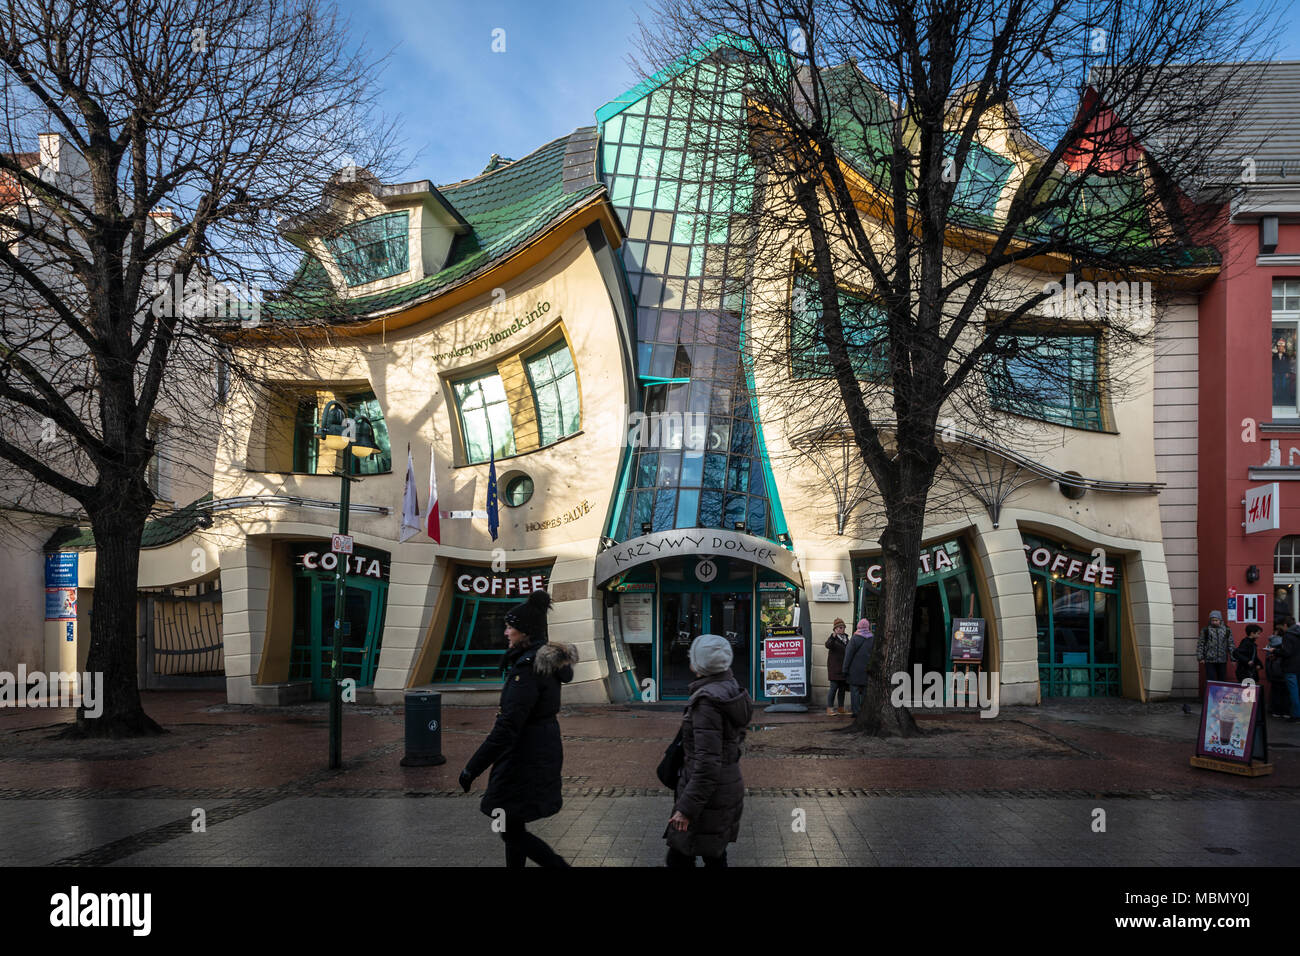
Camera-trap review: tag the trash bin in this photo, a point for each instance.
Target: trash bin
(423, 729)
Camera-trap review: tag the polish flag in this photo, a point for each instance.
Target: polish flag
(434, 527)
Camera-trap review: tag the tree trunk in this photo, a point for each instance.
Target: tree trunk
(901, 543)
(118, 525)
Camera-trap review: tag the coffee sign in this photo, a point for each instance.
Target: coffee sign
(499, 585)
(1064, 566)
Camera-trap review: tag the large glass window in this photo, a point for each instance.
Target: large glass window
(475, 642)
(305, 443)
(1056, 378)
(1286, 320)
(1077, 607)
(485, 422)
(863, 322)
(555, 391)
(372, 249)
(365, 405)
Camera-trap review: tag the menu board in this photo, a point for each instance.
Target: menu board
(1228, 720)
(784, 669)
(967, 640)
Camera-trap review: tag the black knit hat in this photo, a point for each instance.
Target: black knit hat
(530, 617)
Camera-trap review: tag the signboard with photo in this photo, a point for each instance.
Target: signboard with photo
(784, 669)
(967, 640)
(1228, 720)
(637, 612)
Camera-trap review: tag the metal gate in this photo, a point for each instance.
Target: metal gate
(181, 646)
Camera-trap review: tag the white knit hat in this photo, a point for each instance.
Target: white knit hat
(710, 654)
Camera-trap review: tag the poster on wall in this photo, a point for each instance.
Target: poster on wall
(1228, 719)
(828, 586)
(60, 604)
(967, 640)
(638, 618)
(784, 669)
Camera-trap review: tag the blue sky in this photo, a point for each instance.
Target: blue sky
(459, 101)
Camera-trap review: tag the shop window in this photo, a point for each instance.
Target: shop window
(1286, 578)
(485, 424)
(1055, 378)
(981, 179)
(1286, 320)
(864, 324)
(475, 640)
(1077, 609)
(372, 249)
(305, 443)
(554, 382)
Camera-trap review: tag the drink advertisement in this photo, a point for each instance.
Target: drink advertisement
(784, 670)
(1228, 721)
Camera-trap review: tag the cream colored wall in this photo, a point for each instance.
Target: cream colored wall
(408, 370)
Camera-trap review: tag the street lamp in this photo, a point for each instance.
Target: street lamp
(339, 431)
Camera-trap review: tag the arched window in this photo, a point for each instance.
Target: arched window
(1286, 555)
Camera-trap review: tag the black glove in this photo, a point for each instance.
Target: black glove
(465, 780)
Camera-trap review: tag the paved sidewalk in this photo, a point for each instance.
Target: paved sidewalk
(1018, 790)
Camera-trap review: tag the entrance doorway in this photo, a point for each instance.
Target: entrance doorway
(713, 609)
(312, 650)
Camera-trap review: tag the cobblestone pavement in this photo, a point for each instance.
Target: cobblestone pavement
(1023, 789)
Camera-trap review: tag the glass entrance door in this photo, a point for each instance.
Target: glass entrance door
(717, 608)
(682, 620)
(313, 631)
(729, 616)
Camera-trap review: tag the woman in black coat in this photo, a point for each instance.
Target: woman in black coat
(710, 791)
(524, 748)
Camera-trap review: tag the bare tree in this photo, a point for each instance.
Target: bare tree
(174, 135)
(921, 189)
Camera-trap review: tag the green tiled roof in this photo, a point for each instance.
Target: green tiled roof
(505, 208)
(158, 532)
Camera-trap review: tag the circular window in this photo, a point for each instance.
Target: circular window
(1072, 491)
(519, 488)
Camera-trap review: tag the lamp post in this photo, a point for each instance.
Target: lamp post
(340, 432)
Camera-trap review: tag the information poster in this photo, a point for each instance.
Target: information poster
(1228, 721)
(638, 618)
(60, 604)
(784, 670)
(967, 640)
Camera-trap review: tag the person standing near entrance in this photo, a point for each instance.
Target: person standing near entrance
(710, 792)
(1246, 655)
(1214, 648)
(1289, 652)
(1279, 705)
(524, 748)
(856, 660)
(836, 645)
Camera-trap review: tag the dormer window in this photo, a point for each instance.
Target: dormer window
(372, 249)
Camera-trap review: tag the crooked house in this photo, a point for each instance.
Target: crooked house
(529, 321)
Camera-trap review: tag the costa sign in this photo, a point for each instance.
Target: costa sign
(930, 562)
(352, 563)
(1062, 565)
(491, 585)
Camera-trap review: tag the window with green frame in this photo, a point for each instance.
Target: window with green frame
(475, 638)
(306, 446)
(365, 405)
(484, 412)
(1054, 378)
(864, 325)
(554, 381)
(981, 179)
(305, 443)
(1078, 621)
(372, 249)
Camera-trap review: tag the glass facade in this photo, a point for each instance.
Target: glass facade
(706, 467)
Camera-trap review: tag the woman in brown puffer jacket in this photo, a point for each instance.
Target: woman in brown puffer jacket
(710, 790)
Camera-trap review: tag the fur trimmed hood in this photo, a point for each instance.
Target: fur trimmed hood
(554, 657)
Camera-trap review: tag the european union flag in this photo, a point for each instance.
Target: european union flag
(494, 519)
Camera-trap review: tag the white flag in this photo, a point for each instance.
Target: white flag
(410, 504)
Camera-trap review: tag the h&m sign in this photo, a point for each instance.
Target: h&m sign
(1262, 508)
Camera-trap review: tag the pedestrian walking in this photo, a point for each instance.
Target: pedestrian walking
(1278, 703)
(836, 645)
(1246, 655)
(523, 748)
(856, 660)
(1290, 654)
(1214, 647)
(710, 792)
